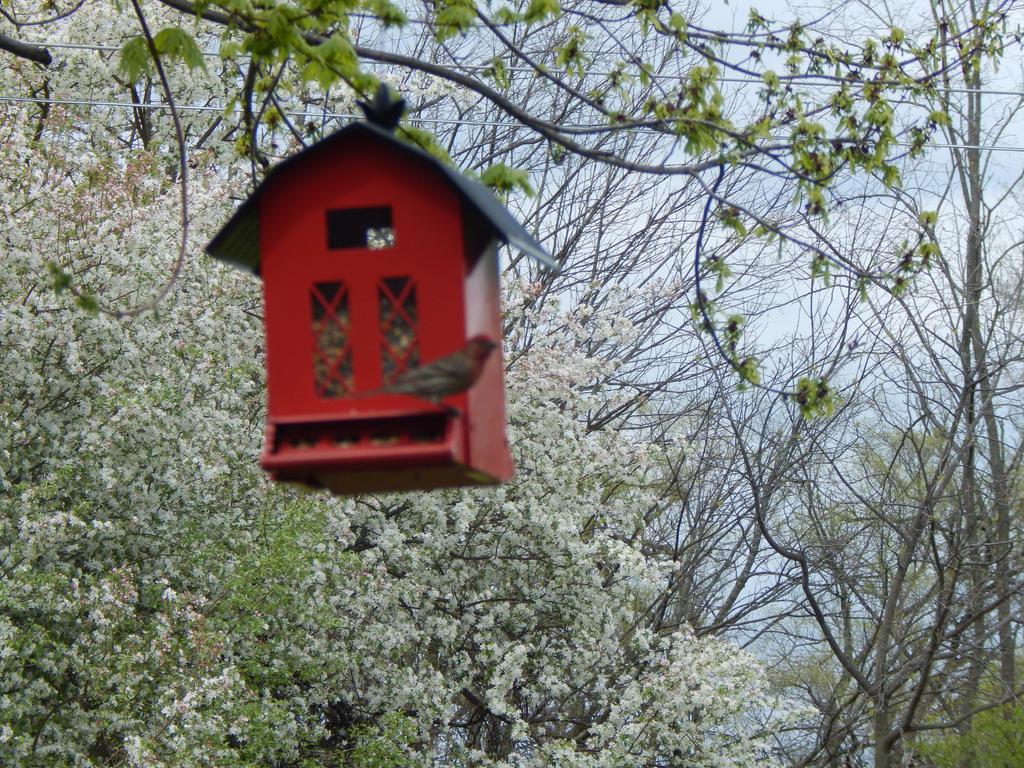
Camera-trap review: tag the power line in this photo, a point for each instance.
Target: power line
(530, 71)
(321, 115)
(304, 114)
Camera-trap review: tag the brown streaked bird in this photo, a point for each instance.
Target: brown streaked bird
(445, 376)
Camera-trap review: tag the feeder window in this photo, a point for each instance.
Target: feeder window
(360, 228)
(399, 330)
(332, 340)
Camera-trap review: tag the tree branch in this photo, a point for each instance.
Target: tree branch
(550, 131)
(23, 50)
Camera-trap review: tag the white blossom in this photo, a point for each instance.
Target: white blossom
(169, 607)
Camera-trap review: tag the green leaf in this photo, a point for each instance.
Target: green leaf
(498, 72)
(176, 43)
(454, 19)
(730, 217)
(504, 179)
(821, 267)
(891, 176)
(333, 58)
(571, 55)
(539, 10)
(506, 15)
(731, 332)
(389, 14)
(134, 59)
(815, 398)
(229, 49)
(862, 288)
(60, 280)
(425, 140)
(88, 302)
(749, 371)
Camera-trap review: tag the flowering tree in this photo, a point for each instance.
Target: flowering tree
(161, 605)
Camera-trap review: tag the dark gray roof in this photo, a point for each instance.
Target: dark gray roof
(238, 242)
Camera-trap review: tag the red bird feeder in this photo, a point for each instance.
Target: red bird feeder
(378, 262)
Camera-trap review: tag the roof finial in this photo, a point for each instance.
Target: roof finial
(386, 110)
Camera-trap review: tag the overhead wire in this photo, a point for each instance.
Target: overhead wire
(594, 73)
(320, 115)
(304, 114)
